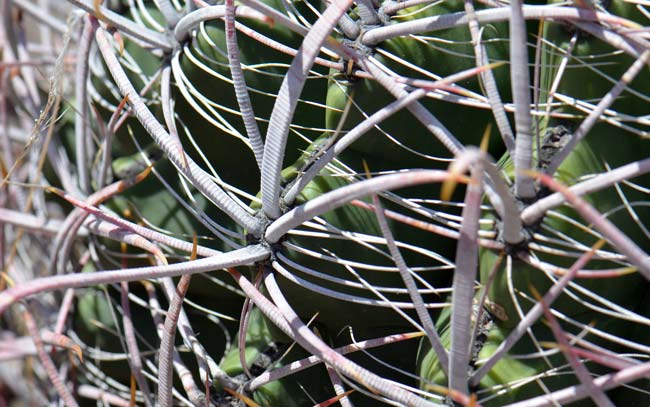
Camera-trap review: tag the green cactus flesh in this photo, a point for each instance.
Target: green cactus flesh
(333, 245)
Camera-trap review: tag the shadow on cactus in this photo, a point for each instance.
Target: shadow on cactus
(283, 203)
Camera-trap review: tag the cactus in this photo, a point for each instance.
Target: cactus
(283, 203)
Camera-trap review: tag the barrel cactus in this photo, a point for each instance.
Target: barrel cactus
(275, 203)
